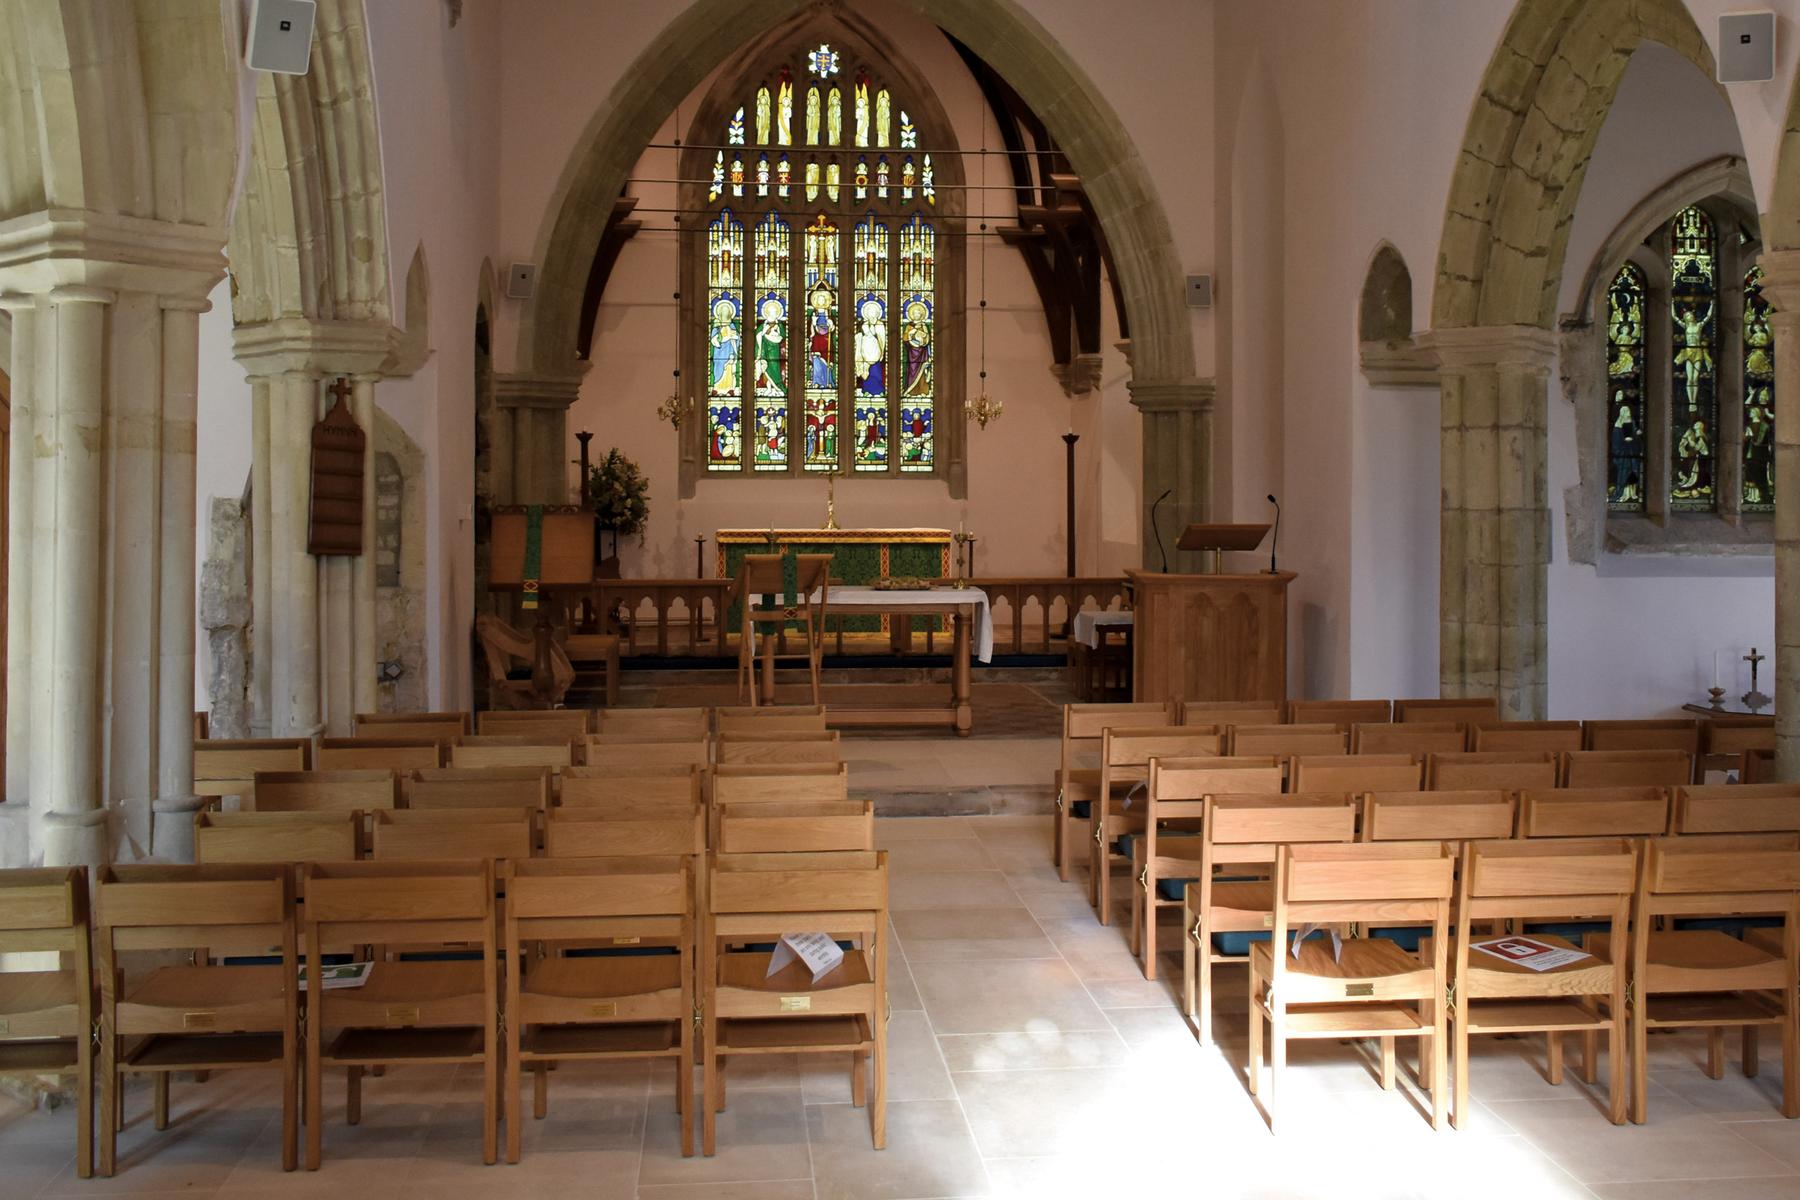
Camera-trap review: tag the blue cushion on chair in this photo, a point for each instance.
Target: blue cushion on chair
(1407, 937)
(769, 947)
(1735, 926)
(1126, 843)
(621, 951)
(1173, 889)
(1237, 945)
(1571, 932)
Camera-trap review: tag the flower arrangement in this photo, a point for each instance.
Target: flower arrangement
(619, 496)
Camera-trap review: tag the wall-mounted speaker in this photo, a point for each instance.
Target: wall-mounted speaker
(521, 280)
(1747, 47)
(1199, 291)
(280, 36)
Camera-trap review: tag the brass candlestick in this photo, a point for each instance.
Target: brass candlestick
(831, 521)
(962, 550)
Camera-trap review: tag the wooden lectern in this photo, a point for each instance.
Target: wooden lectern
(1211, 637)
(537, 551)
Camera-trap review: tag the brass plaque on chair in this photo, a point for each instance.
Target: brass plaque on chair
(339, 447)
(200, 1020)
(407, 1014)
(1359, 989)
(605, 1008)
(626, 941)
(796, 1004)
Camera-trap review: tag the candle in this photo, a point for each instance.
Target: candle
(1715, 668)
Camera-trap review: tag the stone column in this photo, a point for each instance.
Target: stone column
(1495, 523)
(1781, 284)
(20, 486)
(1177, 460)
(263, 400)
(536, 407)
(74, 823)
(362, 568)
(294, 574)
(172, 828)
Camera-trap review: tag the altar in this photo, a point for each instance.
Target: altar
(858, 557)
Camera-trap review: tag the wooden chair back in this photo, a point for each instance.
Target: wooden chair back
(277, 837)
(226, 908)
(621, 900)
(452, 835)
(325, 791)
(1196, 778)
(1738, 808)
(1286, 741)
(1243, 828)
(652, 784)
(402, 755)
(228, 766)
(1084, 725)
(1220, 713)
(1627, 768)
(618, 833)
(44, 910)
(1437, 816)
(1340, 712)
(1554, 736)
(385, 903)
(1391, 882)
(630, 750)
(1593, 812)
(1464, 710)
(1355, 773)
(551, 724)
(800, 746)
(773, 719)
(652, 722)
(758, 783)
(1126, 753)
(1509, 770)
(1683, 735)
(1546, 880)
(480, 787)
(1726, 742)
(1416, 738)
(498, 751)
(752, 894)
(1759, 766)
(781, 828)
(444, 727)
(1720, 876)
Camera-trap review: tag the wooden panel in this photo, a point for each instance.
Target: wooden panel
(1210, 637)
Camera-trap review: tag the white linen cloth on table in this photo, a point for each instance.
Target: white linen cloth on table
(1087, 622)
(983, 639)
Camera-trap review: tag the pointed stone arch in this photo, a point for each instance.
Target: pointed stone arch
(1390, 353)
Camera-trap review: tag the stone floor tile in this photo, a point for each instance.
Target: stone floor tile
(1006, 996)
(944, 934)
(1680, 1143)
(930, 1152)
(761, 1137)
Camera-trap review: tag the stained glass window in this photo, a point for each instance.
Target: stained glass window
(1694, 411)
(1759, 398)
(821, 276)
(1625, 390)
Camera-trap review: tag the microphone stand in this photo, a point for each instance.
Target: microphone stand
(1154, 530)
(1275, 538)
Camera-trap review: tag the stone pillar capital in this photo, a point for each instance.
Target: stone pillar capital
(75, 293)
(538, 389)
(1781, 279)
(190, 304)
(1476, 346)
(16, 302)
(1176, 395)
(290, 345)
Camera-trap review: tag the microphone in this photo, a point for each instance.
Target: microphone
(1158, 532)
(1273, 540)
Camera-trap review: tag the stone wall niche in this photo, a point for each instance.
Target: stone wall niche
(1390, 355)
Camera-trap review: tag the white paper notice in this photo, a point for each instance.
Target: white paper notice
(341, 975)
(1306, 931)
(819, 952)
(1530, 953)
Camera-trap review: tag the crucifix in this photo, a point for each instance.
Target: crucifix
(1754, 699)
(831, 521)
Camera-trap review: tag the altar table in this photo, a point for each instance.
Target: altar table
(858, 556)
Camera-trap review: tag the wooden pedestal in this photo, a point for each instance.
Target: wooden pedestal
(1209, 637)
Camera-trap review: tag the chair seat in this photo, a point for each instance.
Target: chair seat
(36, 991)
(750, 971)
(1734, 926)
(1361, 958)
(1702, 960)
(206, 987)
(600, 977)
(1126, 843)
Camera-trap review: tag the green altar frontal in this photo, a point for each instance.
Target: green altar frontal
(858, 556)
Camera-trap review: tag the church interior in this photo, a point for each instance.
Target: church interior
(900, 599)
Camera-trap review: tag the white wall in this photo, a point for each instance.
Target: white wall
(221, 450)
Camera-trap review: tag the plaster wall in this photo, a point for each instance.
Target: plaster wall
(221, 449)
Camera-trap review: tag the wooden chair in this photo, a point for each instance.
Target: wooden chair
(1417, 738)
(1355, 773)
(801, 746)
(1221, 713)
(1340, 712)
(1554, 736)
(1222, 917)
(746, 1010)
(655, 783)
(1375, 990)
(1286, 741)
(401, 755)
(600, 833)
(1078, 782)
(444, 727)
(1725, 743)
(277, 837)
(1510, 770)
(228, 767)
(760, 595)
(1497, 996)
(202, 728)
(47, 1016)
(1683, 735)
(481, 787)
(1627, 768)
(442, 1011)
(780, 828)
(325, 791)
(547, 724)
(1125, 756)
(671, 723)
(163, 1019)
(771, 719)
(1464, 710)
(1759, 766)
(499, 751)
(758, 783)
(598, 1007)
(452, 835)
(1705, 978)
(1593, 812)
(1439, 816)
(1738, 808)
(630, 750)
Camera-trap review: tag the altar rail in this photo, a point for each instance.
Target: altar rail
(681, 617)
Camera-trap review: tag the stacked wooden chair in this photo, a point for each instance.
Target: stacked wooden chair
(46, 1016)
